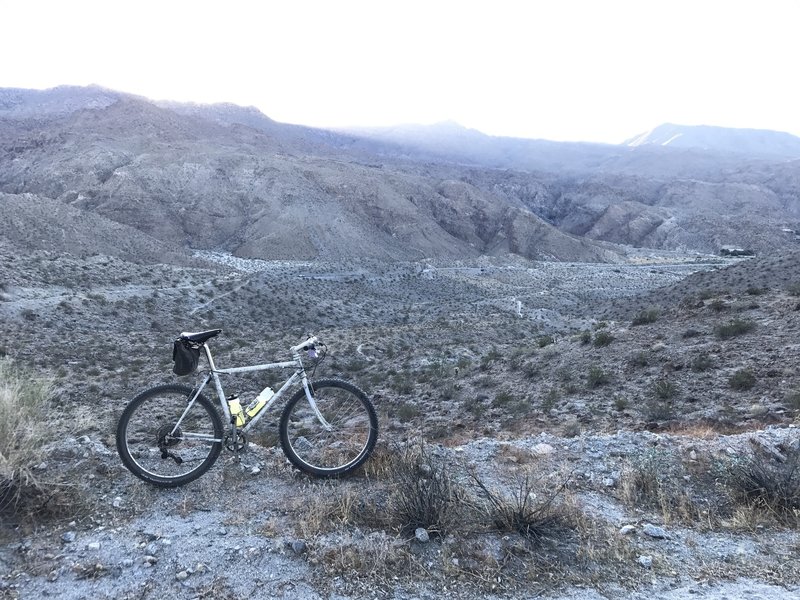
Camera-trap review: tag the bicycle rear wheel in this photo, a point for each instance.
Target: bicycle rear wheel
(338, 442)
(164, 440)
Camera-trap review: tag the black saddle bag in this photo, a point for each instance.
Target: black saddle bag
(186, 357)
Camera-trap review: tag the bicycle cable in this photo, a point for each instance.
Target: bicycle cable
(322, 352)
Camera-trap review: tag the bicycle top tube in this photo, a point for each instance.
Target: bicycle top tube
(296, 361)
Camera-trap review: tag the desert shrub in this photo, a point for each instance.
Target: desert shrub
(664, 389)
(620, 403)
(767, 482)
(644, 317)
(690, 333)
(754, 290)
(406, 411)
(424, 492)
(640, 359)
(528, 508)
(734, 328)
(585, 336)
(603, 338)
(596, 377)
(742, 380)
(794, 288)
(550, 398)
(792, 400)
(544, 340)
(655, 479)
(718, 305)
(702, 362)
(23, 402)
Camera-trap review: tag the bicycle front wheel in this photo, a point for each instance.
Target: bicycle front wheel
(333, 436)
(167, 440)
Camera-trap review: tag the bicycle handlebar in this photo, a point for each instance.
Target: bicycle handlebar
(310, 342)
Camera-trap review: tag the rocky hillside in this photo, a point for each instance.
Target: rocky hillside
(195, 182)
(229, 178)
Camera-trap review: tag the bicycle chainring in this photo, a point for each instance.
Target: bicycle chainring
(240, 446)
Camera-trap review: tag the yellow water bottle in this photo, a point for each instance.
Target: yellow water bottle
(256, 405)
(237, 414)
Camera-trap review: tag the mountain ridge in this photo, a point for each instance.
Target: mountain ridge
(230, 178)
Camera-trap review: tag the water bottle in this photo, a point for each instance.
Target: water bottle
(256, 405)
(237, 414)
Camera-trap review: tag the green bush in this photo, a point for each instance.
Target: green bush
(734, 328)
(742, 380)
(602, 338)
(545, 340)
(597, 377)
(702, 362)
(644, 317)
(664, 389)
(756, 291)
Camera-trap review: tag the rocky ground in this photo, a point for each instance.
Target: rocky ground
(622, 416)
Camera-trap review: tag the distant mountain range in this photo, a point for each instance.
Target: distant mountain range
(181, 176)
(748, 142)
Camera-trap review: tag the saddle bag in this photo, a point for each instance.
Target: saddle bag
(186, 356)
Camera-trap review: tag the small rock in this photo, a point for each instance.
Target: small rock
(149, 560)
(152, 548)
(93, 546)
(298, 546)
(645, 561)
(422, 535)
(117, 503)
(255, 471)
(182, 576)
(53, 575)
(127, 562)
(609, 482)
(627, 530)
(68, 536)
(654, 531)
(200, 568)
(692, 455)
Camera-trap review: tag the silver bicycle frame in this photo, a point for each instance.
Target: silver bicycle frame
(214, 373)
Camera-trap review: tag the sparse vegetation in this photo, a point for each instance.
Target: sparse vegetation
(741, 380)
(425, 493)
(597, 377)
(734, 328)
(529, 509)
(768, 483)
(23, 430)
(602, 339)
(665, 389)
(645, 317)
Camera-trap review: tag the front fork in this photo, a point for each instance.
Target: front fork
(313, 404)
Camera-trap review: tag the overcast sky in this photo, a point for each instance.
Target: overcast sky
(600, 70)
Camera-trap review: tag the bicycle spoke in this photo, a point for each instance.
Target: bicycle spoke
(164, 439)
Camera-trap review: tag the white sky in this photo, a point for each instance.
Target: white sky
(600, 70)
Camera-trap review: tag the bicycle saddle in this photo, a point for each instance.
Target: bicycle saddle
(200, 336)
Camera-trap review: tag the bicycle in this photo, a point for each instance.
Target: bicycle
(172, 434)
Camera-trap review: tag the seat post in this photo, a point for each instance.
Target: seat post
(208, 357)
